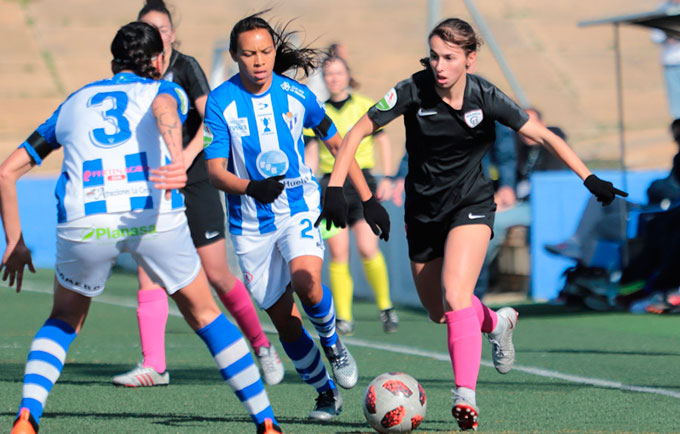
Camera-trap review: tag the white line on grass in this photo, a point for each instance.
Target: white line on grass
(399, 349)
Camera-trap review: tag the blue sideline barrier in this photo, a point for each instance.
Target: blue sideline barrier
(557, 202)
(38, 213)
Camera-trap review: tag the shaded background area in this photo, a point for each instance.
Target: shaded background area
(50, 48)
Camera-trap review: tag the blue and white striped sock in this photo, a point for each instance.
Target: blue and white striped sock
(231, 353)
(322, 316)
(44, 364)
(306, 358)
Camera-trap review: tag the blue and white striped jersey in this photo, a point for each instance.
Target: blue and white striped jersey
(110, 141)
(261, 136)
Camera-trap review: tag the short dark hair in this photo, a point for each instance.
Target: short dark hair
(287, 56)
(134, 46)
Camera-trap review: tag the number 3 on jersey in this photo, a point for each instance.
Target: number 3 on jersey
(116, 103)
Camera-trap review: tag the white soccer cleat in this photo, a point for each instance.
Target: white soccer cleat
(328, 405)
(142, 376)
(270, 365)
(345, 370)
(464, 409)
(502, 348)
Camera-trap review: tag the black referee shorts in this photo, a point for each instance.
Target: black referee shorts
(426, 240)
(205, 213)
(356, 209)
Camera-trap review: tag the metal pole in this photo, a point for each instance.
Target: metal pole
(623, 208)
(434, 13)
(498, 54)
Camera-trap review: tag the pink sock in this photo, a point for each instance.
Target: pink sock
(238, 303)
(487, 317)
(465, 346)
(152, 314)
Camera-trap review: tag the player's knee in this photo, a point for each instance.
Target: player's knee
(437, 316)
(458, 299)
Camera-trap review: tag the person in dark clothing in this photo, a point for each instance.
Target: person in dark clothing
(450, 115)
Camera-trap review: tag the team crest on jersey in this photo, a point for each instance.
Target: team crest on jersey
(183, 101)
(290, 119)
(207, 136)
(474, 117)
(388, 101)
(272, 163)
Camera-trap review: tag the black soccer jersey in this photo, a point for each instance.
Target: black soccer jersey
(185, 71)
(445, 146)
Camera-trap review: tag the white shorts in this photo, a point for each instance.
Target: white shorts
(264, 258)
(88, 247)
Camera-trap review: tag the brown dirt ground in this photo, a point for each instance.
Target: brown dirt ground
(50, 48)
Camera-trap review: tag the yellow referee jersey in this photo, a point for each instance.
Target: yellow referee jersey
(351, 111)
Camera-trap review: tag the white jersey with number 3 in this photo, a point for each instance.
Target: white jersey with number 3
(110, 142)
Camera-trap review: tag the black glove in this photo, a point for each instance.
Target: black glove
(265, 190)
(334, 209)
(377, 218)
(604, 191)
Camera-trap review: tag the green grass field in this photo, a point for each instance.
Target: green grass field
(576, 372)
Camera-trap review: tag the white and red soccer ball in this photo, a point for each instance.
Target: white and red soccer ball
(394, 402)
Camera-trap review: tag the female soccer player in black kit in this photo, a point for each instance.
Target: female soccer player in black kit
(449, 211)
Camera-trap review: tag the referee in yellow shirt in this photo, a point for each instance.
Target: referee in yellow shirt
(345, 109)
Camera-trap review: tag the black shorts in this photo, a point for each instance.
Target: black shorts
(356, 209)
(205, 213)
(426, 240)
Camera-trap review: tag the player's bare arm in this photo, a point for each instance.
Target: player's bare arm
(345, 155)
(171, 176)
(16, 255)
(355, 175)
(224, 180)
(534, 130)
(196, 145)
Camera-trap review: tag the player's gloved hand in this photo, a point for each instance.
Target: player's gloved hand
(604, 191)
(377, 218)
(334, 209)
(265, 190)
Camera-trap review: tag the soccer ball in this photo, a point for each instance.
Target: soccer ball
(394, 402)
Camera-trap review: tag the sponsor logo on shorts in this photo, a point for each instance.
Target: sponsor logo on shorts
(475, 216)
(80, 285)
(118, 233)
(247, 278)
(474, 117)
(388, 101)
(210, 235)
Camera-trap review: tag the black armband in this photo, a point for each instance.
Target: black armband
(40, 145)
(322, 129)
